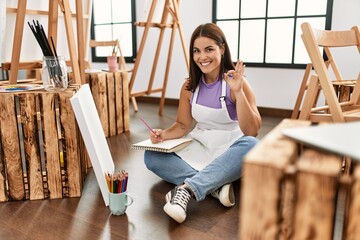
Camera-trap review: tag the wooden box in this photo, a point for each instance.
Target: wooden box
(111, 96)
(289, 191)
(42, 153)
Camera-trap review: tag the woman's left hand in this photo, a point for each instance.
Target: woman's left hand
(235, 78)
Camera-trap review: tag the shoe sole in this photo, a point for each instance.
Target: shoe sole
(227, 196)
(169, 210)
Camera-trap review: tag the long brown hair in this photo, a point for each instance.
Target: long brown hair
(209, 30)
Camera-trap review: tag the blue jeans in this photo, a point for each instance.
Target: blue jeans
(224, 169)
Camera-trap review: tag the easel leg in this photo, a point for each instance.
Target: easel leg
(181, 32)
(133, 100)
(65, 7)
(18, 35)
(167, 70)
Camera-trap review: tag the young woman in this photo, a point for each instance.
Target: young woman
(218, 97)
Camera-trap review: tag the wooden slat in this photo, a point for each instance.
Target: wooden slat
(22, 65)
(263, 171)
(353, 225)
(287, 205)
(98, 90)
(260, 190)
(40, 12)
(303, 86)
(80, 38)
(64, 4)
(3, 178)
(119, 98)
(72, 145)
(27, 106)
(10, 144)
(51, 145)
(19, 26)
(344, 93)
(157, 25)
(53, 20)
(125, 100)
(316, 195)
(110, 80)
(310, 98)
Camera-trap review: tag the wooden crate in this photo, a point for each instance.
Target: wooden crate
(111, 96)
(289, 191)
(42, 153)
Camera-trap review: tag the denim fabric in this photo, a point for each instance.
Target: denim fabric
(224, 169)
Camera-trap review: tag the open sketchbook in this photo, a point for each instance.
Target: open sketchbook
(168, 146)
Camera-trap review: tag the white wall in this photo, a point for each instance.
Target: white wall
(274, 88)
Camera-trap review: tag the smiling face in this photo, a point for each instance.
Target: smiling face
(207, 56)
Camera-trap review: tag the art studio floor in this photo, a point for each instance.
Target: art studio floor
(88, 218)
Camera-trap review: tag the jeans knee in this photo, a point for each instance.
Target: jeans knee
(149, 160)
(252, 141)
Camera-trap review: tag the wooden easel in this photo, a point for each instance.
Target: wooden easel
(77, 62)
(170, 7)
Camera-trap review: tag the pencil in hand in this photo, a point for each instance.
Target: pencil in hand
(151, 129)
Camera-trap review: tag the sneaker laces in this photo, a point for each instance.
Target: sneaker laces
(181, 197)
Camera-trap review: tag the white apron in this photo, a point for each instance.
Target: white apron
(213, 134)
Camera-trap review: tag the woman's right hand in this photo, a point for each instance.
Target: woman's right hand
(155, 136)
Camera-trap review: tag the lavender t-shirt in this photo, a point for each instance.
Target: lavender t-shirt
(209, 96)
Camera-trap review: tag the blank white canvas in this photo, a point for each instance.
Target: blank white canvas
(91, 130)
(339, 138)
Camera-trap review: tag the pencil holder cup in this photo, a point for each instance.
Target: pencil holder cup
(118, 202)
(54, 73)
(112, 63)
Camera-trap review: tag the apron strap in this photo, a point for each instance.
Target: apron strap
(223, 93)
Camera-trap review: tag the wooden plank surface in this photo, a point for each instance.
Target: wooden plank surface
(3, 178)
(51, 146)
(125, 100)
(10, 144)
(110, 80)
(261, 191)
(119, 95)
(27, 108)
(316, 192)
(353, 220)
(72, 145)
(98, 90)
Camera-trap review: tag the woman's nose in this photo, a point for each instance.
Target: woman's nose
(202, 55)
